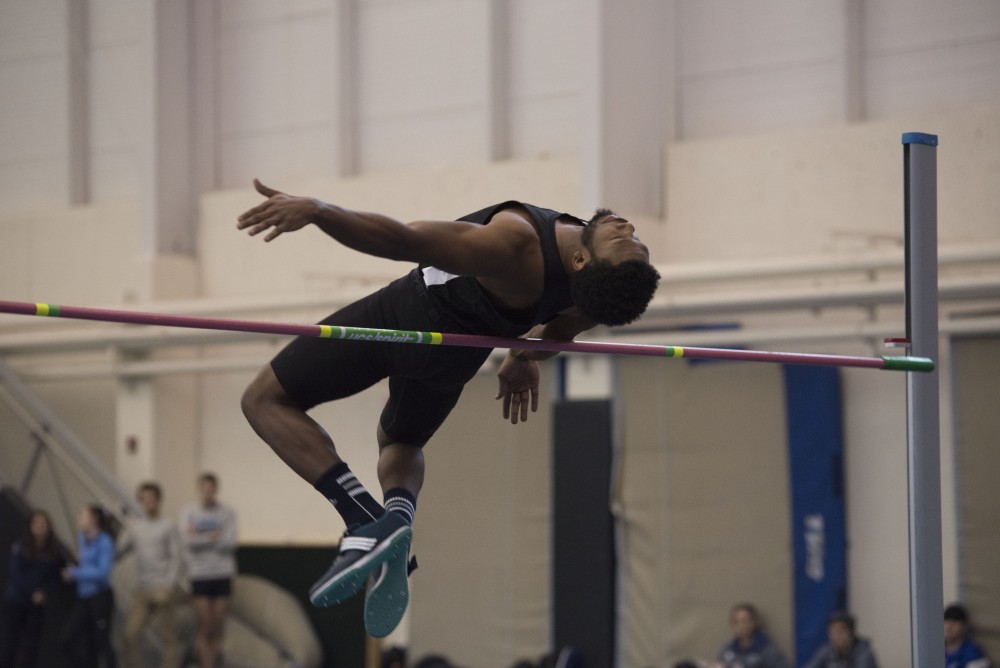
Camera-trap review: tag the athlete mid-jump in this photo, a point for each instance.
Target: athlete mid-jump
(507, 270)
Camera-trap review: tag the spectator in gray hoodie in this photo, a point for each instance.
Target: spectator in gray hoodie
(845, 649)
(158, 558)
(208, 532)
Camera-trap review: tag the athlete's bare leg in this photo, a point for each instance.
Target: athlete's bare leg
(309, 451)
(294, 436)
(399, 464)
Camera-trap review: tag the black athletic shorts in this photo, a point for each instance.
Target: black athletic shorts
(217, 588)
(425, 381)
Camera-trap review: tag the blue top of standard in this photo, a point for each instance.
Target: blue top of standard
(920, 138)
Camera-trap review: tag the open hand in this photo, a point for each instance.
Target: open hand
(280, 213)
(518, 384)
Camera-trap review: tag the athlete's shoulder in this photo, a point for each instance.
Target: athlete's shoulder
(513, 215)
(513, 226)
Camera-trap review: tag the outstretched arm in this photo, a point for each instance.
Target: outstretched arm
(457, 247)
(518, 372)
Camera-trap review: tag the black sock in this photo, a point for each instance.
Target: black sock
(399, 500)
(348, 496)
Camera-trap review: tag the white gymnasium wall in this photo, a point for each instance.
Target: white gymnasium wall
(269, 87)
(34, 118)
(275, 89)
(118, 114)
(545, 78)
(423, 82)
(832, 189)
(877, 520)
(930, 55)
(59, 255)
(747, 67)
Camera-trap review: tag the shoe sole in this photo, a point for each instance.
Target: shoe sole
(345, 584)
(387, 600)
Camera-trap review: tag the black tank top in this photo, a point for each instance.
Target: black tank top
(462, 300)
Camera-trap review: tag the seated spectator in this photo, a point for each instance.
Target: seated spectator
(433, 661)
(394, 657)
(959, 650)
(844, 649)
(750, 646)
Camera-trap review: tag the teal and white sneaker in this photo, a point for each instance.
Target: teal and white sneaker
(387, 596)
(363, 550)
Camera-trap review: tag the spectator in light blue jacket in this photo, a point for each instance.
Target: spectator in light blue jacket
(86, 635)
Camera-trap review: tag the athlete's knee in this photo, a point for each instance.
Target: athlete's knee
(385, 441)
(400, 459)
(261, 395)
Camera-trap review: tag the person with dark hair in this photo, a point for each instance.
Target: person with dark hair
(510, 270)
(31, 577)
(156, 544)
(434, 661)
(844, 649)
(959, 649)
(86, 634)
(394, 657)
(750, 646)
(208, 534)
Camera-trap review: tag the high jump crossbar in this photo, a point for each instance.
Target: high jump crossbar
(888, 362)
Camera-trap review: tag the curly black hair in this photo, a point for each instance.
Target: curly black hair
(613, 294)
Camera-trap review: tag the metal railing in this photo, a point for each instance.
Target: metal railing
(48, 465)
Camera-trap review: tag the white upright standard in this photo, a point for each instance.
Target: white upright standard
(922, 400)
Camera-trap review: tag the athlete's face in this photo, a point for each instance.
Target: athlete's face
(610, 237)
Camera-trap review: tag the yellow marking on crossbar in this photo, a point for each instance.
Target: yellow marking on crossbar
(41, 309)
(436, 338)
(326, 331)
